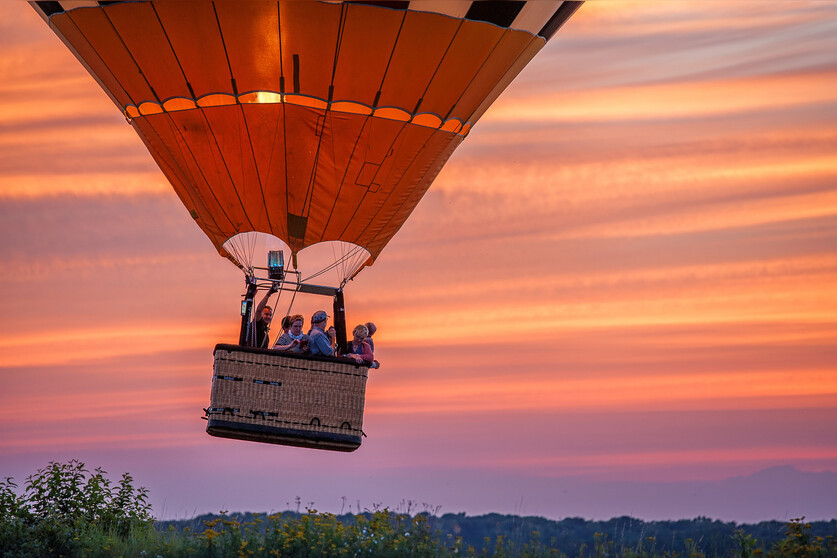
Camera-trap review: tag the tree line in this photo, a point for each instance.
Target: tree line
(578, 537)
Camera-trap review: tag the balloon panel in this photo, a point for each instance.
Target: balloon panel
(468, 51)
(253, 44)
(95, 42)
(422, 42)
(370, 34)
(192, 33)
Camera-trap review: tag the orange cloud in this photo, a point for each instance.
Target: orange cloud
(690, 99)
(639, 18)
(757, 291)
(96, 344)
(91, 184)
(677, 390)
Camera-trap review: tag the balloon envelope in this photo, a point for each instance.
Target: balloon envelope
(308, 120)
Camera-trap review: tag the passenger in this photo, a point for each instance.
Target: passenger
(359, 348)
(293, 340)
(262, 319)
(372, 329)
(286, 325)
(320, 342)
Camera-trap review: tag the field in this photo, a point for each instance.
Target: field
(66, 510)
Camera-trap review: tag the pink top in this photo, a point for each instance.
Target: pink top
(364, 351)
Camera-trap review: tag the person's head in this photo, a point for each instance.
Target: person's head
(286, 323)
(360, 332)
(267, 314)
(370, 328)
(320, 319)
(297, 322)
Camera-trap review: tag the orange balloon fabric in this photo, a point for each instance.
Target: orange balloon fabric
(308, 120)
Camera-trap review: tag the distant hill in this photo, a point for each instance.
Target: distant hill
(777, 493)
(780, 493)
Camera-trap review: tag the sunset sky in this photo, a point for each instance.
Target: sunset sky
(627, 272)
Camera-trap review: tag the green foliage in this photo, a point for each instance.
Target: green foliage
(745, 544)
(67, 511)
(381, 533)
(799, 542)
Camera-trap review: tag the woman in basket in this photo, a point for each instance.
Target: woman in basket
(293, 340)
(359, 349)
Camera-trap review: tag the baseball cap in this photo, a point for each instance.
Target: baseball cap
(319, 316)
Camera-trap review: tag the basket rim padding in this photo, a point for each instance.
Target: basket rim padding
(274, 352)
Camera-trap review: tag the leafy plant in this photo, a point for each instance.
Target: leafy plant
(800, 543)
(65, 508)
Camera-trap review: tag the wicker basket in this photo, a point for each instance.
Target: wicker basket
(289, 399)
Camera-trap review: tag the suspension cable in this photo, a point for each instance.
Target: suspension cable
(351, 254)
(291, 305)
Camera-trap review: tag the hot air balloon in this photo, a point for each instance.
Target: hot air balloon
(309, 121)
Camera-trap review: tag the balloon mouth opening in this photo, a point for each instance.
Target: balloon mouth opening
(331, 263)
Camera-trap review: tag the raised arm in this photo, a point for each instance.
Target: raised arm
(257, 315)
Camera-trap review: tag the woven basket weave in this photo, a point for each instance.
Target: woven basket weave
(284, 398)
